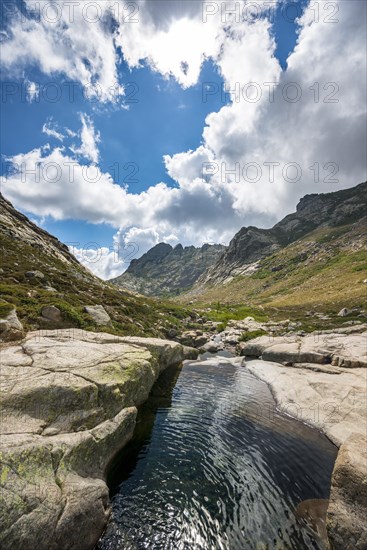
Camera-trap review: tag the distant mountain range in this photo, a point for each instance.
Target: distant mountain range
(165, 270)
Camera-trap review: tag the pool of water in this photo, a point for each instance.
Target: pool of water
(213, 465)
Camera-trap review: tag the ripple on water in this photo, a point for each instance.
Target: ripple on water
(213, 465)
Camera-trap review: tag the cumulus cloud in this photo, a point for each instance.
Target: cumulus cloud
(266, 154)
(83, 40)
(104, 262)
(110, 262)
(69, 39)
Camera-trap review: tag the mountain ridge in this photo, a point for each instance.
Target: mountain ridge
(168, 270)
(251, 244)
(157, 273)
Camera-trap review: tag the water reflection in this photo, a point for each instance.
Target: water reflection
(213, 465)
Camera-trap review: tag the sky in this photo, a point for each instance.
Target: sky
(125, 124)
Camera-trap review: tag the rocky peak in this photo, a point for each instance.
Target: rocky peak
(251, 244)
(154, 255)
(172, 270)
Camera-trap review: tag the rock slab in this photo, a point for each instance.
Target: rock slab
(330, 395)
(335, 348)
(68, 405)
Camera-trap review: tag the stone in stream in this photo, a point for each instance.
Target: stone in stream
(68, 404)
(212, 346)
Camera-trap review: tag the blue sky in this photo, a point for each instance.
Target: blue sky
(160, 114)
(162, 118)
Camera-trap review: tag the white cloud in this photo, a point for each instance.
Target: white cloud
(68, 39)
(32, 91)
(50, 129)
(318, 137)
(83, 40)
(51, 183)
(102, 261)
(89, 140)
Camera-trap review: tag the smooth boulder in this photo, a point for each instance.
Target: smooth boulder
(99, 315)
(11, 328)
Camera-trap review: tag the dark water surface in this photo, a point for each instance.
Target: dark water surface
(213, 465)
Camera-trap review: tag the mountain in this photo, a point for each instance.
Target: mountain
(316, 255)
(167, 270)
(250, 244)
(313, 260)
(49, 288)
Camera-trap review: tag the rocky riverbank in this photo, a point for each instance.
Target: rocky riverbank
(321, 379)
(68, 404)
(69, 401)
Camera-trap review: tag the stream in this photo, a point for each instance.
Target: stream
(214, 465)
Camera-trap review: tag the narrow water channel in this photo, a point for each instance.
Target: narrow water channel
(213, 465)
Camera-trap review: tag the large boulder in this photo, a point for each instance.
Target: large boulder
(35, 275)
(68, 404)
(192, 338)
(344, 312)
(11, 328)
(99, 315)
(51, 313)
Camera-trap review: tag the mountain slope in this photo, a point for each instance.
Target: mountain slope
(250, 244)
(320, 245)
(166, 270)
(324, 271)
(37, 270)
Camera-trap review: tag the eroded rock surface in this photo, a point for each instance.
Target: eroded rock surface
(332, 400)
(68, 404)
(347, 509)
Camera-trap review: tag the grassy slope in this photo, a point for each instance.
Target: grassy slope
(75, 288)
(322, 272)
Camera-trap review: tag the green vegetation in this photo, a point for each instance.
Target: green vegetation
(223, 312)
(75, 288)
(5, 308)
(308, 281)
(250, 335)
